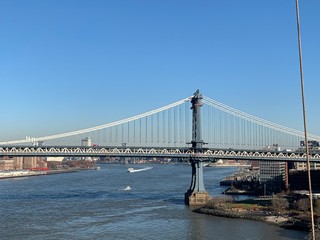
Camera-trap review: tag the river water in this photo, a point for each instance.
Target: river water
(92, 205)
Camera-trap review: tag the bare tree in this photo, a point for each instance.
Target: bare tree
(316, 206)
(219, 201)
(280, 203)
(302, 204)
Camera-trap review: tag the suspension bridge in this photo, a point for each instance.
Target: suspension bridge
(212, 130)
(222, 127)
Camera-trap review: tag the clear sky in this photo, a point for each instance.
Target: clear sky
(72, 64)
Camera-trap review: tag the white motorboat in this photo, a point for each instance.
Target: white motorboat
(138, 170)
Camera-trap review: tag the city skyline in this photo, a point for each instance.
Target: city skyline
(73, 65)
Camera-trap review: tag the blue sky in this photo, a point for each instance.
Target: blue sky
(68, 65)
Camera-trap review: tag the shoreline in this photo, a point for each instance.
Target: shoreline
(283, 221)
(22, 174)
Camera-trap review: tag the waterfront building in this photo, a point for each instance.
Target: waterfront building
(6, 164)
(273, 176)
(86, 142)
(11, 163)
(314, 147)
(18, 163)
(55, 159)
(42, 164)
(301, 166)
(34, 163)
(29, 162)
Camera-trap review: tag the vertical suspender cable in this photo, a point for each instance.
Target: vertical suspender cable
(122, 133)
(183, 127)
(245, 139)
(210, 140)
(209, 125)
(257, 135)
(140, 131)
(128, 138)
(220, 129)
(111, 135)
(116, 134)
(233, 131)
(169, 126)
(208, 129)
(175, 132)
(304, 121)
(174, 126)
(203, 123)
(158, 133)
(146, 129)
(152, 128)
(186, 124)
(180, 124)
(164, 127)
(134, 131)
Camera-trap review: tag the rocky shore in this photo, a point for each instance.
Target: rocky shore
(284, 221)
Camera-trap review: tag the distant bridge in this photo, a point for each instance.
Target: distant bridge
(166, 132)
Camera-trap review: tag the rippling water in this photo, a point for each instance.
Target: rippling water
(92, 205)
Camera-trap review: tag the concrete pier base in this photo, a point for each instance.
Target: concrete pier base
(197, 194)
(196, 198)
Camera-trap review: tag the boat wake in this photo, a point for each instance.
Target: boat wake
(139, 170)
(127, 188)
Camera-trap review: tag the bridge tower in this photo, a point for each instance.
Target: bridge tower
(196, 195)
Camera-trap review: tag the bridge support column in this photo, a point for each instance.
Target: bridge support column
(196, 195)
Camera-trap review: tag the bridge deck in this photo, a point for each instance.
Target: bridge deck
(169, 152)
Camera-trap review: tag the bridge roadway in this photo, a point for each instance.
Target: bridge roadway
(208, 154)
